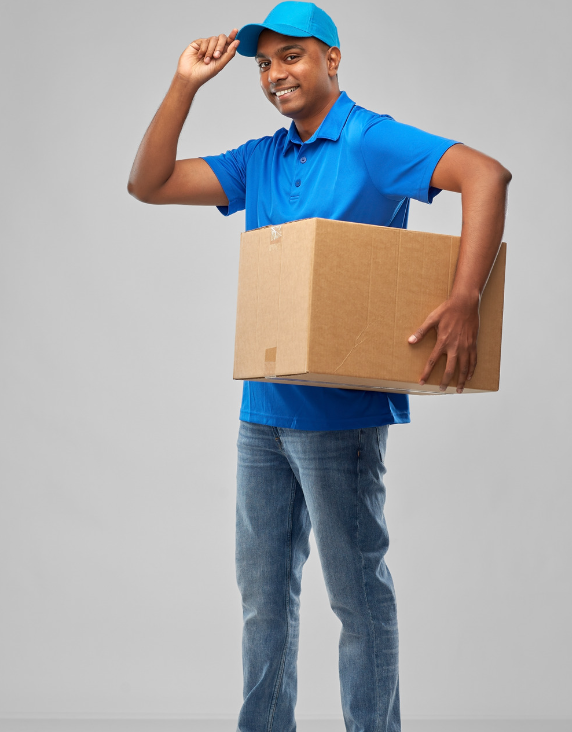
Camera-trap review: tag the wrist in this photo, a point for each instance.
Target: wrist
(469, 297)
(185, 83)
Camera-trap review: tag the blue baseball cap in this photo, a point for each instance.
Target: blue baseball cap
(301, 20)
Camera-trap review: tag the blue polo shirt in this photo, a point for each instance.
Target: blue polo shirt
(358, 166)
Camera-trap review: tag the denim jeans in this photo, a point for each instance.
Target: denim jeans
(289, 482)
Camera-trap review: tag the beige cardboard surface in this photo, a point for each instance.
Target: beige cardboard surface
(332, 303)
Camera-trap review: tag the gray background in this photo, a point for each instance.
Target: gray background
(118, 411)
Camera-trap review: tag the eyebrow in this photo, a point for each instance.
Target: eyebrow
(281, 50)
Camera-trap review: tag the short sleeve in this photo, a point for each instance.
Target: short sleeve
(401, 159)
(230, 169)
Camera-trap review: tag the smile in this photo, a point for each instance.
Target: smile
(286, 92)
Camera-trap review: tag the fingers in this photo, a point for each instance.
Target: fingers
(449, 371)
(467, 362)
(214, 47)
(220, 46)
(467, 366)
(203, 45)
(213, 40)
(472, 363)
(452, 358)
(230, 39)
(231, 52)
(449, 367)
(456, 338)
(431, 361)
(429, 323)
(463, 372)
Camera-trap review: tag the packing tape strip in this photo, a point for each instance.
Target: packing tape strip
(270, 362)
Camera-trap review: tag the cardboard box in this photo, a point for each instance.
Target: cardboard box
(332, 303)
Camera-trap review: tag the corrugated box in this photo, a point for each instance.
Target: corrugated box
(332, 303)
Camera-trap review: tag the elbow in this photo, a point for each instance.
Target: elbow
(138, 194)
(502, 175)
(488, 172)
(132, 190)
(493, 172)
(506, 175)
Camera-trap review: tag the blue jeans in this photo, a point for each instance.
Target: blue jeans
(289, 482)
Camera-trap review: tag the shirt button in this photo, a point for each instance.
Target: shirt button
(302, 160)
(298, 183)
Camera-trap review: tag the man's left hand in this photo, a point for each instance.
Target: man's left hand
(457, 324)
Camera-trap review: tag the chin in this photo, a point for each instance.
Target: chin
(288, 110)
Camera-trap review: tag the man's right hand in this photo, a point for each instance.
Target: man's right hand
(205, 57)
(157, 176)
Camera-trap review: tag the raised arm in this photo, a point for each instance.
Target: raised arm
(483, 185)
(157, 176)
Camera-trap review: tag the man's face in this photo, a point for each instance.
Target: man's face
(301, 64)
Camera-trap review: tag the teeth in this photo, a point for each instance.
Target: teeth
(285, 91)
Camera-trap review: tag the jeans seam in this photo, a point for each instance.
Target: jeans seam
(276, 692)
(377, 685)
(378, 431)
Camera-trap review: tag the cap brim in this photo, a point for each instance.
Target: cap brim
(248, 35)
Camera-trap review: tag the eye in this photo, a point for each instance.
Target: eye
(292, 55)
(261, 64)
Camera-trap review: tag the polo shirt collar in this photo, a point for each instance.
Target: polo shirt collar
(331, 126)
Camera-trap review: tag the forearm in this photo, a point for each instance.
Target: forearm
(483, 185)
(484, 201)
(157, 153)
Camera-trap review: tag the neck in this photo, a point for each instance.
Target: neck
(306, 126)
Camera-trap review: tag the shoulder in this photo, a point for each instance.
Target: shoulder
(374, 124)
(363, 119)
(265, 144)
(359, 123)
(252, 149)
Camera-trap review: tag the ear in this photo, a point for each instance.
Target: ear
(333, 58)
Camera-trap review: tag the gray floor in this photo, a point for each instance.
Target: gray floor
(199, 725)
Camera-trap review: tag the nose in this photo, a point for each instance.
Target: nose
(277, 72)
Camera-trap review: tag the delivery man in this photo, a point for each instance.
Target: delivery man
(308, 456)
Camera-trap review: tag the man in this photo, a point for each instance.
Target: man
(313, 457)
